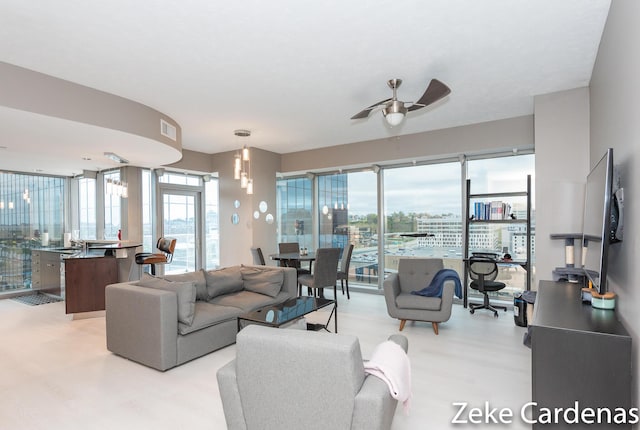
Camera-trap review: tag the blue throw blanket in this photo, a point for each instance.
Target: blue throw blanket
(437, 284)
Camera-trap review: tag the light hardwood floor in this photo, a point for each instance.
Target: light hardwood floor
(56, 373)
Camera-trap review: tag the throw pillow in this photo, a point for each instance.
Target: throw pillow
(198, 280)
(185, 291)
(223, 281)
(263, 281)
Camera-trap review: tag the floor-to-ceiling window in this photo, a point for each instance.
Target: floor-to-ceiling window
(423, 207)
(112, 205)
(86, 209)
(147, 212)
(211, 224)
(31, 216)
(500, 175)
(295, 208)
(423, 199)
(181, 200)
(347, 211)
(333, 210)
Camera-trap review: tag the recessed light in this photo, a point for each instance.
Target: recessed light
(86, 158)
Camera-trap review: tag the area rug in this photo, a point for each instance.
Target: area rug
(36, 299)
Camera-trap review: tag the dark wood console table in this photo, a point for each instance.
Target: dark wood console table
(578, 354)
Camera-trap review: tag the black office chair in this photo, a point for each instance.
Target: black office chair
(258, 257)
(483, 271)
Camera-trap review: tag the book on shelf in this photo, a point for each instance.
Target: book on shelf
(495, 210)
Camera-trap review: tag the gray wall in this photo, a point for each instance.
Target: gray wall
(237, 239)
(487, 137)
(562, 160)
(615, 123)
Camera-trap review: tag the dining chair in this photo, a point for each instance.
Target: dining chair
(292, 248)
(258, 257)
(343, 271)
(325, 274)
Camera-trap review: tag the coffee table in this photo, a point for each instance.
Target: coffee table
(292, 309)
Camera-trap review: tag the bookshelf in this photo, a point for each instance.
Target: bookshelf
(488, 209)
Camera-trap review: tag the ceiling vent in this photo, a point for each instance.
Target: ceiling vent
(167, 130)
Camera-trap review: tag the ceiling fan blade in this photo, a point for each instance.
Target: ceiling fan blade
(434, 92)
(365, 113)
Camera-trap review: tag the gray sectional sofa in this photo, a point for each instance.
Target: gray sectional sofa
(165, 322)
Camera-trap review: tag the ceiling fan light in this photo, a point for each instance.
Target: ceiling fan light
(394, 112)
(394, 118)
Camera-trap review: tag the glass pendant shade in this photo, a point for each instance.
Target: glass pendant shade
(237, 167)
(250, 186)
(244, 181)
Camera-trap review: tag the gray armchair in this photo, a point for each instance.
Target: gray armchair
(292, 379)
(415, 274)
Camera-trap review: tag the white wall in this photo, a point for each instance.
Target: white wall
(615, 123)
(562, 160)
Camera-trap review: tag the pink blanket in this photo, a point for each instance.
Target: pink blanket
(390, 363)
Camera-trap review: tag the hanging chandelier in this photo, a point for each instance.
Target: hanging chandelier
(242, 163)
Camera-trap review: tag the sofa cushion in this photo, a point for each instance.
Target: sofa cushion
(198, 280)
(412, 301)
(223, 281)
(265, 281)
(245, 300)
(186, 292)
(208, 314)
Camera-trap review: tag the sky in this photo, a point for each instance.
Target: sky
(436, 188)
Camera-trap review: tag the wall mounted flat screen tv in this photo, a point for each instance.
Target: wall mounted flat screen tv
(597, 221)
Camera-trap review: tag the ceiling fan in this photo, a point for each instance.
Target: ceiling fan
(394, 110)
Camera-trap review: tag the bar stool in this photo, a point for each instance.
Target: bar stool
(166, 246)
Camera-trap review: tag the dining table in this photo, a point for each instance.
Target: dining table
(295, 256)
(286, 258)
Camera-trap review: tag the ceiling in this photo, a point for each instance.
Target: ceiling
(291, 71)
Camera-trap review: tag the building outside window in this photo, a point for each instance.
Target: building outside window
(348, 207)
(499, 175)
(295, 208)
(333, 210)
(31, 216)
(423, 199)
